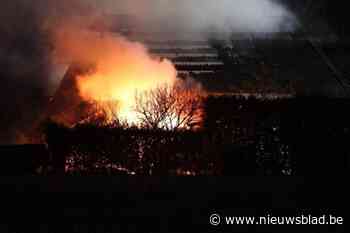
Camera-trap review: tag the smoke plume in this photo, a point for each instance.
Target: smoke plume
(120, 68)
(222, 16)
(26, 61)
(29, 38)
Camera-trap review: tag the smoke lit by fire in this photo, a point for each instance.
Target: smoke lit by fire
(122, 69)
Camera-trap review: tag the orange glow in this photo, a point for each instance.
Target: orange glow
(123, 68)
(120, 81)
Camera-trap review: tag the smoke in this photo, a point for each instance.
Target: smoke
(28, 51)
(26, 61)
(222, 16)
(120, 68)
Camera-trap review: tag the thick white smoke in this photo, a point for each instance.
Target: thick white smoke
(226, 16)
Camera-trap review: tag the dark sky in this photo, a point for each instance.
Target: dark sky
(335, 13)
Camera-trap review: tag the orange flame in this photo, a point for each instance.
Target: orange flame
(119, 80)
(122, 69)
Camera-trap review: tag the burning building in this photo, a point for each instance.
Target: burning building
(125, 66)
(271, 39)
(107, 60)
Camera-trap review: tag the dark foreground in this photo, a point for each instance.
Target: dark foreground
(240, 137)
(142, 204)
(317, 133)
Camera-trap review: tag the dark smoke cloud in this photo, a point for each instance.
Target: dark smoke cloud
(25, 60)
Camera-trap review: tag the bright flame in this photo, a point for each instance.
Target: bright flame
(125, 69)
(122, 70)
(120, 85)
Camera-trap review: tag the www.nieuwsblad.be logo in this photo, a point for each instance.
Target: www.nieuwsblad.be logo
(216, 219)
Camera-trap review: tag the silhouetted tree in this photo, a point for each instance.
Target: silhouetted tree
(171, 107)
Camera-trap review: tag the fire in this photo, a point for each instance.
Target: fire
(123, 68)
(119, 79)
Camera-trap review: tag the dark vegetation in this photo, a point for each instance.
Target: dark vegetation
(24, 160)
(299, 136)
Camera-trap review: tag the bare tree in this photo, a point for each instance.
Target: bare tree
(171, 107)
